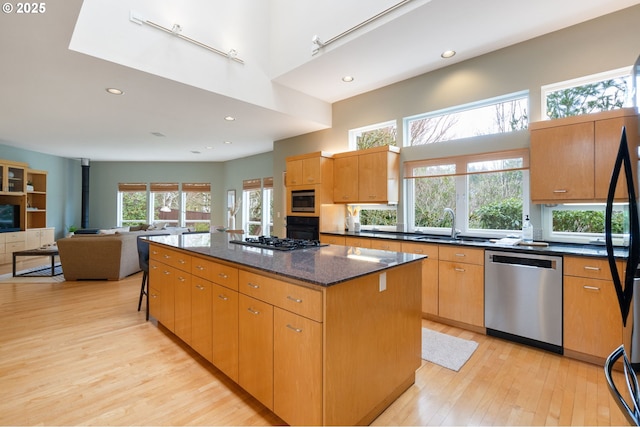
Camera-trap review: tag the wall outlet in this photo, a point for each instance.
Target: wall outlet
(382, 282)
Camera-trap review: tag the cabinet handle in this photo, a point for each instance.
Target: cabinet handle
(461, 255)
(181, 261)
(559, 191)
(166, 256)
(182, 279)
(199, 267)
(419, 251)
(372, 196)
(224, 276)
(252, 311)
(154, 267)
(166, 272)
(459, 270)
(289, 297)
(252, 285)
(154, 295)
(586, 267)
(200, 287)
(223, 297)
(293, 328)
(591, 288)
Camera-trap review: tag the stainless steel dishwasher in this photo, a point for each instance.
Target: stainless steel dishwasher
(523, 298)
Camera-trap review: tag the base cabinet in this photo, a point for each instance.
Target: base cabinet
(287, 344)
(461, 285)
(297, 369)
(592, 319)
(255, 349)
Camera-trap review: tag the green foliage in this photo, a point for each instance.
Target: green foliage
(134, 206)
(378, 217)
(590, 98)
(503, 215)
(377, 138)
(586, 221)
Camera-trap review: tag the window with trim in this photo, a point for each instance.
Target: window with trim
(590, 94)
(488, 193)
(382, 217)
(165, 203)
(132, 204)
(257, 210)
(584, 222)
(377, 135)
(196, 199)
(490, 116)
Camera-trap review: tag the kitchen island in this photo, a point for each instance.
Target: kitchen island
(321, 336)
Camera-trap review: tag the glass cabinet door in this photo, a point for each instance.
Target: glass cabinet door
(15, 181)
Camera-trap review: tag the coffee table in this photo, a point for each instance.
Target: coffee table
(50, 252)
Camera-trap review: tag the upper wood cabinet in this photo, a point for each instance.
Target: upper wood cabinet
(367, 176)
(572, 158)
(12, 177)
(309, 169)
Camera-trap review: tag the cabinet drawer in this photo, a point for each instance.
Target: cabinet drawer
(594, 268)
(170, 257)
(359, 242)
(332, 240)
(15, 237)
(461, 254)
(431, 251)
(297, 299)
(386, 245)
(224, 275)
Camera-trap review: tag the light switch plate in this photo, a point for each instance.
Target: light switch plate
(382, 282)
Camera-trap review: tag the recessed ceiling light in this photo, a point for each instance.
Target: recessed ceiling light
(229, 118)
(347, 79)
(228, 142)
(114, 91)
(195, 152)
(208, 147)
(448, 53)
(158, 134)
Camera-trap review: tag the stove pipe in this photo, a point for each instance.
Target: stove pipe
(84, 220)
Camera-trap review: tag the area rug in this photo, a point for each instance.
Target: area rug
(445, 350)
(40, 274)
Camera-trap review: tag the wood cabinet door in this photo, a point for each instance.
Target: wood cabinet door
(311, 171)
(372, 177)
(345, 179)
(255, 348)
(182, 305)
(592, 320)
(561, 163)
(201, 318)
(357, 242)
(294, 173)
(297, 373)
(332, 239)
(461, 292)
(429, 274)
(161, 293)
(225, 330)
(607, 142)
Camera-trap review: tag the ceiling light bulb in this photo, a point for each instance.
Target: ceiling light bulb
(232, 54)
(448, 53)
(229, 118)
(228, 142)
(114, 91)
(347, 79)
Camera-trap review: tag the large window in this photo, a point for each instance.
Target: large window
(257, 211)
(165, 205)
(488, 193)
(132, 204)
(584, 223)
(496, 115)
(196, 199)
(589, 94)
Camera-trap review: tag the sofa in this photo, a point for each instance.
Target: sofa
(105, 256)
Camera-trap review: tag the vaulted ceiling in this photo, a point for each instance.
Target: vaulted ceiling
(58, 64)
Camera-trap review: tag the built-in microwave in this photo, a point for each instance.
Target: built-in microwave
(303, 201)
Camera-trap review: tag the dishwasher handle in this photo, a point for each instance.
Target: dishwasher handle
(526, 262)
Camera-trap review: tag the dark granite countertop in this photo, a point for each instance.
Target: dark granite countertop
(324, 266)
(553, 248)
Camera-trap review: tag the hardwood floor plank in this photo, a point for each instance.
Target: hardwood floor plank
(80, 353)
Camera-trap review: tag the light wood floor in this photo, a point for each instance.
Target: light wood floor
(78, 353)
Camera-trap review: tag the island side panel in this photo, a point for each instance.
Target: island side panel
(372, 343)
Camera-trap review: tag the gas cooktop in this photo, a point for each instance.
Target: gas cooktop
(276, 243)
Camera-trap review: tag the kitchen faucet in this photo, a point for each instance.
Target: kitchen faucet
(454, 230)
